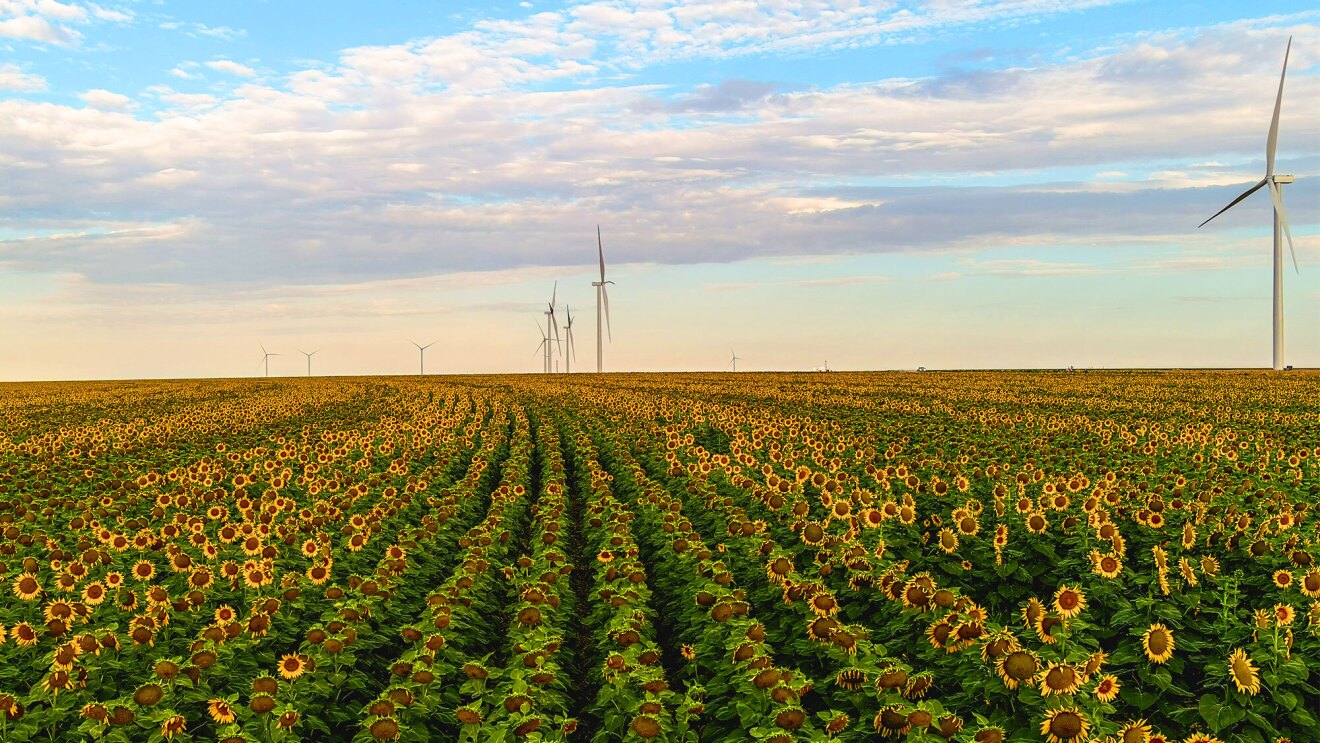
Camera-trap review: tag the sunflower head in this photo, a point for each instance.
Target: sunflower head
(1158, 642)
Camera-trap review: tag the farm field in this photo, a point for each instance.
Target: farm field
(706, 557)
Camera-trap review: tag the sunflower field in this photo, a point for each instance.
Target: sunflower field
(966, 557)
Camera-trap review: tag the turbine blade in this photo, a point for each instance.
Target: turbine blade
(554, 293)
(600, 248)
(1234, 202)
(1277, 197)
(606, 296)
(263, 348)
(1273, 140)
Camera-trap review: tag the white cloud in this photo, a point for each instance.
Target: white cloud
(106, 100)
(12, 77)
(231, 67)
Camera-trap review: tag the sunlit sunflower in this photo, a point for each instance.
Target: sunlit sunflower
(1284, 614)
(1107, 688)
(687, 652)
(948, 540)
(1032, 612)
(1158, 643)
(1065, 725)
(143, 570)
(292, 666)
(1137, 731)
(1245, 676)
(1185, 568)
(1310, 584)
(93, 593)
(220, 711)
(1283, 579)
(24, 635)
(26, 587)
(1037, 523)
(172, 726)
(1209, 566)
(1017, 668)
(1069, 601)
(1059, 678)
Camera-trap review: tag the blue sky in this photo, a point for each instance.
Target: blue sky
(884, 185)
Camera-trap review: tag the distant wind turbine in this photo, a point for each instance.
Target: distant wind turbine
(734, 359)
(309, 359)
(421, 356)
(570, 350)
(265, 357)
(551, 322)
(543, 346)
(1275, 181)
(602, 296)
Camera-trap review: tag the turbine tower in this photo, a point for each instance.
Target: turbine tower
(544, 346)
(551, 322)
(734, 359)
(1281, 228)
(309, 359)
(570, 350)
(421, 356)
(602, 296)
(265, 357)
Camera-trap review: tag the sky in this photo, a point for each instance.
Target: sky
(868, 185)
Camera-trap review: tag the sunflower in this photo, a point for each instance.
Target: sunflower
(93, 593)
(1209, 566)
(1284, 614)
(220, 711)
(1069, 602)
(688, 652)
(1185, 567)
(1283, 578)
(1037, 523)
(1158, 643)
(1059, 678)
(1032, 612)
(948, 541)
(1136, 731)
(1065, 725)
(144, 570)
(1245, 676)
(1017, 667)
(1107, 689)
(292, 666)
(1310, 584)
(24, 634)
(26, 587)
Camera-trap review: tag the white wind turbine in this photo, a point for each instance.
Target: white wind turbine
(309, 359)
(551, 322)
(543, 346)
(602, 296)
(265, 357)
(421, 356)
(734, 359)
(570, 350)
(1281, 228)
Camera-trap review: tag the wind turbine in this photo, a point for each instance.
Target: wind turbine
(421, 356)
(544, 345)
(265, 357)
(734, 359)
(309, 359)
(551, 322)
(570, 350)
(1275, 181)
(602, 296)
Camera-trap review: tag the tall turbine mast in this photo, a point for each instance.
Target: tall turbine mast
(602, 296)
(421, 357)
(551, 323)
(570, 350)
(1281, 228)
(309, 359)
(265, 357)
(734, 359)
